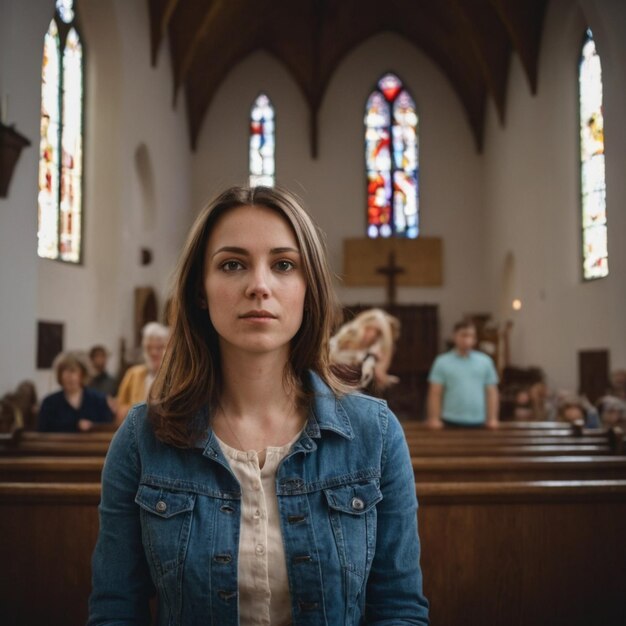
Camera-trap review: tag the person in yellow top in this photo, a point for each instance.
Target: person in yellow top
(138, 379)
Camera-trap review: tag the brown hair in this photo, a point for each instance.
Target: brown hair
(67, 360)
(190, 375)
(463, 325)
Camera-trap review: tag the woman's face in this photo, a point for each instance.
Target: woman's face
(254, 282)
(154, 349)
(72, 379)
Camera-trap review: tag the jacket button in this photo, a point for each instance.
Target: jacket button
(358, 504)
(161, 506)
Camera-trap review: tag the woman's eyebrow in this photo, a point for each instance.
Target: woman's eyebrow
(243, 251)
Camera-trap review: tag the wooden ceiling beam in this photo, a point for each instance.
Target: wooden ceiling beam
(470, 40)
(488, 39)
(218, 12)
(160, 12)
(524, 23)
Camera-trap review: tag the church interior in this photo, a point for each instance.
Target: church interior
(464, 160)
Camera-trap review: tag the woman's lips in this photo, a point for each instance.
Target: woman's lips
(258, 315)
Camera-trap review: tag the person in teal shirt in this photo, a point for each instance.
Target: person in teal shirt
(463, 384)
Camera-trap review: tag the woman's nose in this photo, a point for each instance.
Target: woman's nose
(258, 287)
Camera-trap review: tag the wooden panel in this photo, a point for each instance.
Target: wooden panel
(47, 536)
(515, 554)
(421, 258)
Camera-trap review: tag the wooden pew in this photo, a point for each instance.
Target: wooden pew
(512, 553)
(66, 437)
(520, 553)
(444, 440)
(426, 469)
(511, 426)
(480, 439)
(56, 448)
(51, 469)
(518, 468)
(47, 536)
(562, 433)
(426, 450)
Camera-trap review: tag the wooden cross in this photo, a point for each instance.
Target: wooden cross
(390, 271)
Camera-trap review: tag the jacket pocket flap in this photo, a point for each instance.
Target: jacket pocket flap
(163, 503)
(354, 498)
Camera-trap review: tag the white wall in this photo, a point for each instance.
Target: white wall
(128, 105)
(333, 186)
(532, 197)
(22, 26)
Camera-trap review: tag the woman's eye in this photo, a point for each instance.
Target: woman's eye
(231, 266)
(285, 266)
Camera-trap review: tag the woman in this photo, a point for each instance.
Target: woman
(138, 379)
(254, 489)
(75, 408)
(366, 344)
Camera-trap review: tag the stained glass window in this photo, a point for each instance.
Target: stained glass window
(391, 160)
(61, 139)
(262, 142)
(593, 186)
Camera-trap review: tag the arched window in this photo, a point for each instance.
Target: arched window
(391, 160)
(593, 186)
(262, 165)
(61, 144)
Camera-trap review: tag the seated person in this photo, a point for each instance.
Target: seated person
(366, 344)
(137, 381)
(576, 409)
(74, 408)
(618, 384)
(25, 397)
(612, 412)
(101, 381)
(543, 402)
(523, 410)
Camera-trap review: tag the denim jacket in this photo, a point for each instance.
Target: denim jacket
(170, 519)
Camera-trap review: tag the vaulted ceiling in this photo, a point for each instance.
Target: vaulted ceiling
(470, 40)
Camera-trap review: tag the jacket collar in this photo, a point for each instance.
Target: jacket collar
(326, 410)
(326, 413)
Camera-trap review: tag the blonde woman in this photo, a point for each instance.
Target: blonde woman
(367, 343)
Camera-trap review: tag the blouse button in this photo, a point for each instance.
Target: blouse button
(260, 550)
(358, 504)
(161, 506)
(257, 514)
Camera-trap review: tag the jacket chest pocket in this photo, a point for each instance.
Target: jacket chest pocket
(352, 512)
(165, 522)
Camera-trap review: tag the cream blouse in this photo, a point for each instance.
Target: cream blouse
(264, 598)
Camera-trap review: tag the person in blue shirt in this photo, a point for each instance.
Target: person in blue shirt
(255, 487)
(75, 408)
(463, 385)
